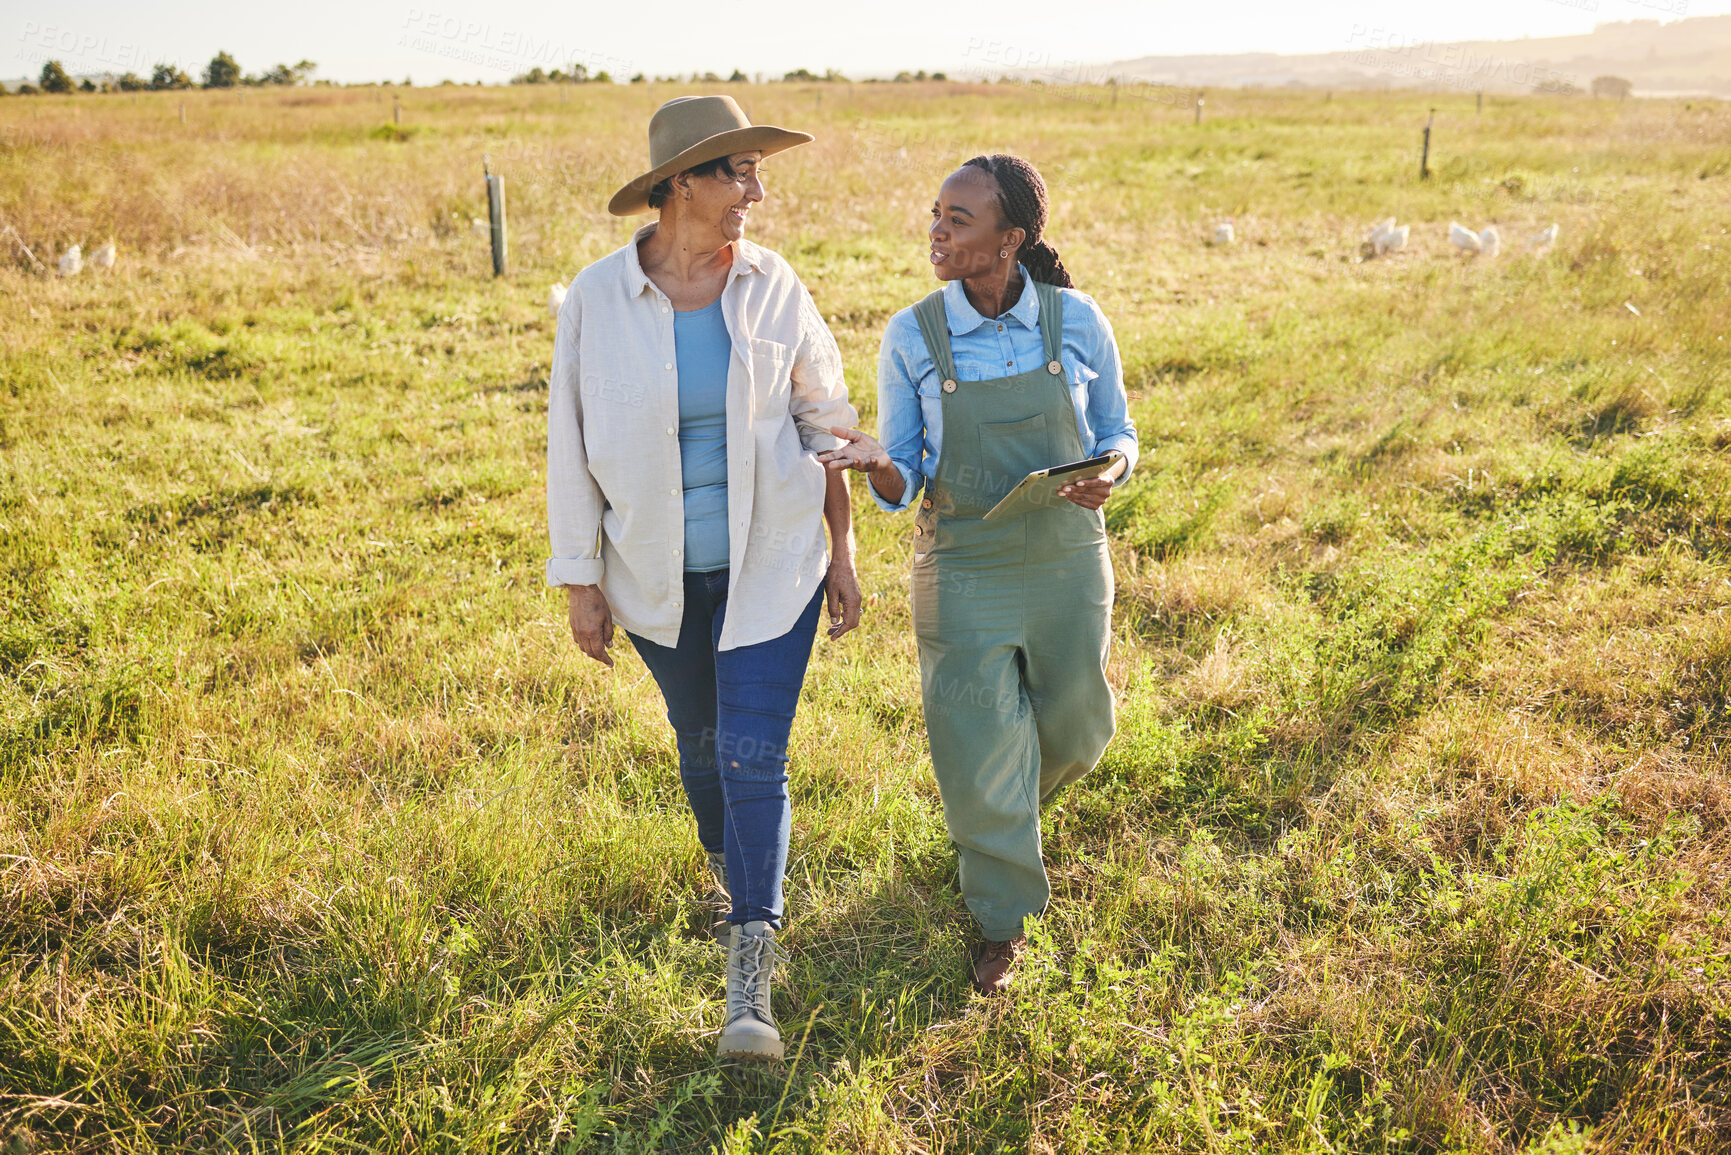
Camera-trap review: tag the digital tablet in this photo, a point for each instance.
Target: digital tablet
(1039, 490)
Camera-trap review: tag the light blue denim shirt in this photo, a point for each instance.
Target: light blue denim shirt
(910, 400)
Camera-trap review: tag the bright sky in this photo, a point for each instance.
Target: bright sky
(491, 40)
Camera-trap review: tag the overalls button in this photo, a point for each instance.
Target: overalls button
(949, 386)
(918, 531)
(1054, 368)
(926, 504)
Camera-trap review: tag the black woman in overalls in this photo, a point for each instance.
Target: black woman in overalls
(1000, 373)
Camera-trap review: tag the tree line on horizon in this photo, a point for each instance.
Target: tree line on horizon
(579, 74)
(222, 72)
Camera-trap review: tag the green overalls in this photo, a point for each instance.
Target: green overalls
(1012, 617)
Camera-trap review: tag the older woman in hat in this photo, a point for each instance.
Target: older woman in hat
(693, 385)
(1005, 370)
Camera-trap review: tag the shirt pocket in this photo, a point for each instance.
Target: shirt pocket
(771, 378)
(1078, 375)
(1080, 380)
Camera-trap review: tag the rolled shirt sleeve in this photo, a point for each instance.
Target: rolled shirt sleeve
(574, 500)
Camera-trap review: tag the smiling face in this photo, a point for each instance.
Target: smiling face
(721, 202)
(968, 232)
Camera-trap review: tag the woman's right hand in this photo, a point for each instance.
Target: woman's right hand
(591, 621)
(858, 450)
(863, 452)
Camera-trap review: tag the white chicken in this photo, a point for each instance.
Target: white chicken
(72, 262)
(556, 298)
(103, 258)
(1387, 237)
(1543, 240)
(1223, 232)
(1490, 241)
(1463, 238)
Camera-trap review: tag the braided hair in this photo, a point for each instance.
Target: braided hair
(1023, 204)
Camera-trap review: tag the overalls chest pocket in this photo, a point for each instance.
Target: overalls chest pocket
(1009, 451)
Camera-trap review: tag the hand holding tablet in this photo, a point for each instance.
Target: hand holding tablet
(1045, 488)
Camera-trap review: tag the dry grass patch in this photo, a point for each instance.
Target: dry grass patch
(1180, 601)
(1640, 650)
(1663, 785)
(1472, 772)
(1223, 681)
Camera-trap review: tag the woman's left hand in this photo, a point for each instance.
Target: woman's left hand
(1090, 494)
(842, 594)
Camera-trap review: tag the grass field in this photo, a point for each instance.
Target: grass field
(316, 833)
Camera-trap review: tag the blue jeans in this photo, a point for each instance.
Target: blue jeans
(732, 713)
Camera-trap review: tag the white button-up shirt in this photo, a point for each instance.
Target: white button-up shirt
(615, 505)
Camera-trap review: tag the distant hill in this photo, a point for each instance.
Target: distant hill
(1683, 57)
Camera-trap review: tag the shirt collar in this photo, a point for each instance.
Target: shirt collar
(964, 318)
(747, 258)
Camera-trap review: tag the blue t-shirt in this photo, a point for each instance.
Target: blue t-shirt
(703, 349)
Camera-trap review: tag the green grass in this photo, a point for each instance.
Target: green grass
(316, 832)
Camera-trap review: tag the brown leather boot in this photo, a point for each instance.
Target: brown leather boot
(994, 964)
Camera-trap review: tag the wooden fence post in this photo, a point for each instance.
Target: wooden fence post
(495, 214)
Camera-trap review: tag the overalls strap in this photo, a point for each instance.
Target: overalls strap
(935, 328)
(1051, 319)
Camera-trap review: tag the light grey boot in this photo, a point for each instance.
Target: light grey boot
(750, 1032)
(719, 900)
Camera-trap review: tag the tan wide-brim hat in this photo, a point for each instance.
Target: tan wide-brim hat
(690, 130)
